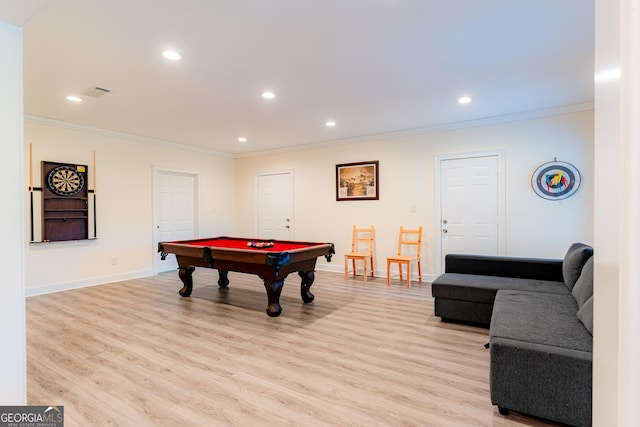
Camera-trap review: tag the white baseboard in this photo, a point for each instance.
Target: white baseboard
(65, 286)
(334, 268)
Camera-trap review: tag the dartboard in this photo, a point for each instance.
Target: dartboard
(65, 181)
(555, 180)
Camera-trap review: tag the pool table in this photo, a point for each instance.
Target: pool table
(271, 260)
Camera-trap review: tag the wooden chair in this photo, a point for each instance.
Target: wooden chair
(407, 240)
(362, 241)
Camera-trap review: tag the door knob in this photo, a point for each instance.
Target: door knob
(444, 221)
(287, 226)
(445, 231)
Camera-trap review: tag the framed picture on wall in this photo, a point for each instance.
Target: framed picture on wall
(357, 181)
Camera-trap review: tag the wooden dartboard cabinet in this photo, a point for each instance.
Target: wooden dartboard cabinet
(65, 203)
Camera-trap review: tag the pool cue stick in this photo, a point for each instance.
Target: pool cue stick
(31, 184)
(95, 226)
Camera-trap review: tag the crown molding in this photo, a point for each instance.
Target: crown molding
(120, 135)
(446, 127)
(486, 121)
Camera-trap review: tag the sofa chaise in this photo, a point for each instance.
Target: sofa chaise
(540, 318)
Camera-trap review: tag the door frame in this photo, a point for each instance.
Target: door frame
(196, 206)
(437, 211)
(257, 198)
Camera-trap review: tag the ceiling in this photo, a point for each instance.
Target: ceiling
(373, 66)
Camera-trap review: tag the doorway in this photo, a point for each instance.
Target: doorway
(175, 212)
(274, 203)
(470, 204)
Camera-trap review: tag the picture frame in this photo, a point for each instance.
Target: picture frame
(357, 181)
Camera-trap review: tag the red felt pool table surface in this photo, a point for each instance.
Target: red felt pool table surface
(242, 243)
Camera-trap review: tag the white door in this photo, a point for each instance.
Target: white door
(470, 209)
(275, 205)
(175, 211)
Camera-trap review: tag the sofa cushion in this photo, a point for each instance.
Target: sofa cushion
(473, 287)
(546, 319)
(573, 262)
(583, 288)
(505, 266)
(585, 315)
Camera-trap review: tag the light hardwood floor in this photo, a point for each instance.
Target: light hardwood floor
(135, 353)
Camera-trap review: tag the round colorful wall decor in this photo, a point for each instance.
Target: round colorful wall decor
(555, 180)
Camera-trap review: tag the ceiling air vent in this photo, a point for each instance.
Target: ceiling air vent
(96, 92)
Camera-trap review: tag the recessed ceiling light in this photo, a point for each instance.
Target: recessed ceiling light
(242, 139)
(172, 55)
(74, 98)
(268, 94)
(464, 100)
(330, 123)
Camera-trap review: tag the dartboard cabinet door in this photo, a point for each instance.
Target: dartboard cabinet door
(65, 203)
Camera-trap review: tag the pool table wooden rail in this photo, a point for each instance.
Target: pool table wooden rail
(272, 266)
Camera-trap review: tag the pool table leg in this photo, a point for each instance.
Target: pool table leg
(273, 295)
(187, 280)
(305, 285)
(223, 281)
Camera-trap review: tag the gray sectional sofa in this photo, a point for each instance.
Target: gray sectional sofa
(540, 318)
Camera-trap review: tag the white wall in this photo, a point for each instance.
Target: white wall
(125, 203)
(616, 345)
(535, 227)
(13, 376)
(629, 230)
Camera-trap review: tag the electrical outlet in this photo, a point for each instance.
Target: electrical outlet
(114, 261)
